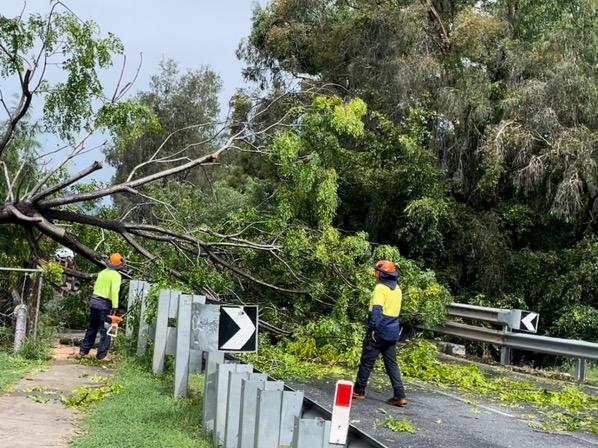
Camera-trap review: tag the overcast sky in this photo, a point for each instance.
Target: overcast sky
(192, 32)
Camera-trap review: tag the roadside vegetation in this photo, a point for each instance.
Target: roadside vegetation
(135, 409)
(33, 355)
(13, 368)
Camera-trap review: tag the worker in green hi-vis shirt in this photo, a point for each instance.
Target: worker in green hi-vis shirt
(104, 300)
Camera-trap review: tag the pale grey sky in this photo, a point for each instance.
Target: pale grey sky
(192, 32)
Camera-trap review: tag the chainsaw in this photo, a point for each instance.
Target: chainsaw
(113, 325)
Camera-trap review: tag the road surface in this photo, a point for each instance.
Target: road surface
(445, 418)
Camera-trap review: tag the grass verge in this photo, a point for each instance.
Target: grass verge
(13, 368)
(142, 413)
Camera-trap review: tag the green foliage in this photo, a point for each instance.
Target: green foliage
(127, 120)
(35, 350)
(151, 301)
(403, 425)
(178, 111)
(476, 153)
(13, 368)
(69, 104)
(53, 272)
(40, 348)
(282, 363)
(569, 403)
(561, 285)
(6, 337)
(84, 396)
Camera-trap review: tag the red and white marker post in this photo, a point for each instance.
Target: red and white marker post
(339, 426)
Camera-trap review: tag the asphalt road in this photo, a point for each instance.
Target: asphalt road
(446, 419)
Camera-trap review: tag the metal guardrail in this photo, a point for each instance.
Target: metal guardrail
(509, 319)
(541, 344)
(494, 315)
(138, 290)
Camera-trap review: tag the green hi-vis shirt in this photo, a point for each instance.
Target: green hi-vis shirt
(389, 299)
(107, 286)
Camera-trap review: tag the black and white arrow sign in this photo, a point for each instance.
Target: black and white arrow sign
(237, 329)
(529, 321)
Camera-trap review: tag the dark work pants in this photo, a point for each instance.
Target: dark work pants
(97, 319)
(371, 350)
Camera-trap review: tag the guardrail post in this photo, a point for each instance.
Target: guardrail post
(183, 346)
(195, 361)
(160, 341)
(233, 411)
(310, 433)
(137, 288)
(143, 290)
(209, 396)
(267, 425)
(581, 369)
(292, 404)
(195, 356)
(222, 378)
(505, 352)
(249, 390)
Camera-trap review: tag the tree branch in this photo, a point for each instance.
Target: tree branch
(445, 42)
(32, 243)
(95, 166)
(125, 229)
(74, 153)
(246, 275)
(21, 216)
(129, 186)
(21, 110)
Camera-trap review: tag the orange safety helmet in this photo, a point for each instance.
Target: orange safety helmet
(115, 261)
(385, 266)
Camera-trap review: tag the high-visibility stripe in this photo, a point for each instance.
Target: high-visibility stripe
(343, 395)
(339, 425)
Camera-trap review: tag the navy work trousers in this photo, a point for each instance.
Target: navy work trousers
(371, 350)
(97, 318)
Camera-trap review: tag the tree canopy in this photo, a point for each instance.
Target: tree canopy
(499, 101)
(457, 138)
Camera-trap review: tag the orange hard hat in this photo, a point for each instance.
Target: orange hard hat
(385, 266)
(115, 261)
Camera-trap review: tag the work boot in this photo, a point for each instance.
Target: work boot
(359, 396)
(400, 402)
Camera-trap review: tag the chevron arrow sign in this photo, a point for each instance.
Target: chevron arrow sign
(237, 329)
(529, 321)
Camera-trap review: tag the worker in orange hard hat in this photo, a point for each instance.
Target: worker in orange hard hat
(103, 302)
(383, 333)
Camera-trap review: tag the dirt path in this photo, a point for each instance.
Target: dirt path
(33, 416)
